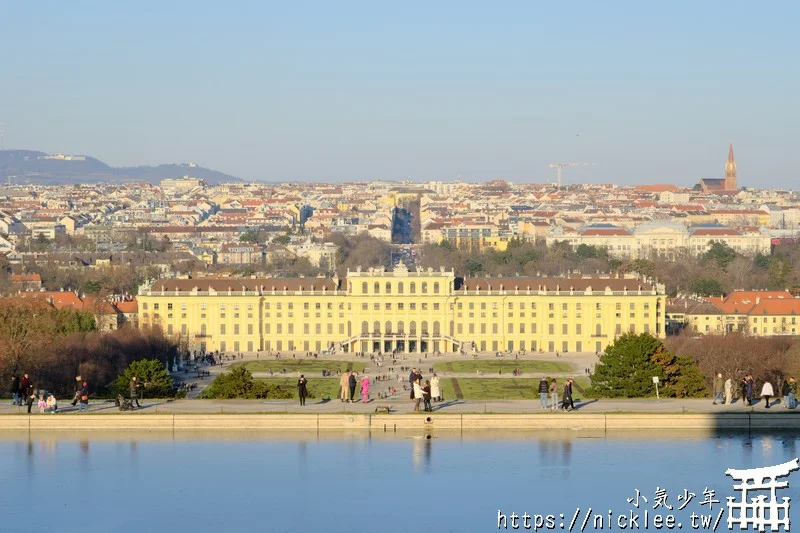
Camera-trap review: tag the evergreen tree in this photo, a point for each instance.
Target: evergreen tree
(151, 374)
(626, 369)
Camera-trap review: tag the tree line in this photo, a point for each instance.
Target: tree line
(53, 346)
(718, 271)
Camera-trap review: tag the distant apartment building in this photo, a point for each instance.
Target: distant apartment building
(755, 313)
(48, 229)
(240, 254)
(181, 185)
(27, 282)
(318, 254)
(662, 239)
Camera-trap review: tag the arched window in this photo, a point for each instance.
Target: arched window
(376, 327)
(364, 288)
(424, 287)
(423, 326)
(400, 288)
(436, 327)
(435, 287)
(388, 328)
(377, 288)
(365, 327)
(412, 327)
(388, 288)
(400, 327)
(413, 288)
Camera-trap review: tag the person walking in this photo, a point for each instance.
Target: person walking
(365, 389)
(553, 394)
(77, 397)
(351, 383)
(728, 391)
(133, 386)
(15, 386)
(719, 386)
(743, 389)
(83, 403)
(426, 396)
(30, 393)
(436, 391)
(302, 389)
(785, 393)
(23, 386)
(418, 395)
(544, 392)
(767, 392)
(749, 389)
(566, 397)
(344, 386)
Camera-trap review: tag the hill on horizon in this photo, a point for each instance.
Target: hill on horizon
(28, 166)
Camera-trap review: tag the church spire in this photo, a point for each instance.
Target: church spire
(730, 171)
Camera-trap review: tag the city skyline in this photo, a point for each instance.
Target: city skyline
(358, 92)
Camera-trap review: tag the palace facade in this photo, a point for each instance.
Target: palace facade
(408, 311)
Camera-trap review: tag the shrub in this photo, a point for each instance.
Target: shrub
(239, 384)
(154, 379)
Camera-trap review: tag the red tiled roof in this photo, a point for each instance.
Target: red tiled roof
(550, 284)
(606, 231)
(715, 231)
(243, 284)
(777, 307)
(19, 278)
(128, 307)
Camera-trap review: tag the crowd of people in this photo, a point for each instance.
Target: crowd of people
(724, 391)
(548, 395)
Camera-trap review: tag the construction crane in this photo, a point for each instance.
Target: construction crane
(559, 166)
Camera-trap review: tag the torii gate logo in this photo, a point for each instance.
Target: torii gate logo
(759, 512)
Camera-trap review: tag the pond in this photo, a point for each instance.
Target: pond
(343, 482)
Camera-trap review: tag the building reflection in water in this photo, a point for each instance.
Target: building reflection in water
(85, 447)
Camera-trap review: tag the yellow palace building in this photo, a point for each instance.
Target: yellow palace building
(408, 311)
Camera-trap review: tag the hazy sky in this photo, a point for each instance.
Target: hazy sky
(291, 90)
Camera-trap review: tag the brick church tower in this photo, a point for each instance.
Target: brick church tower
(730, 172)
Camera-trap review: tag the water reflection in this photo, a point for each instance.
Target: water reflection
(421, 453)
(789, 445)
(168, 480)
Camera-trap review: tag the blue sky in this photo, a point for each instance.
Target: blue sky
(650, 92)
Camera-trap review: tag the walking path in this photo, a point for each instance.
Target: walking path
(404, 405)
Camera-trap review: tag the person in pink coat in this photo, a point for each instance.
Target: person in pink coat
(365, 389)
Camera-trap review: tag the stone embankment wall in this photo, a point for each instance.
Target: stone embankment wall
(404, 422)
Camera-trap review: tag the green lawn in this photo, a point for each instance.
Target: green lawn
(309, 365)
(504, 388)
(317, 388)
(492, 366)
